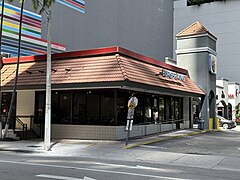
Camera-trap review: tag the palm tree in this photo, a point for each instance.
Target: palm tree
(16, 76)
(1, 30)
(1, 63)
(42, 4)
(1, 26)
(36, 4)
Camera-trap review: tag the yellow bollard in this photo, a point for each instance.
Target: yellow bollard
(217, 124)
(210, 125)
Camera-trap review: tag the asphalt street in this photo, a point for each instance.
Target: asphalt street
(19, 166)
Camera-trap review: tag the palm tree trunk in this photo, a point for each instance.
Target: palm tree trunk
(10, 113)
(1, 29)
(1, 64)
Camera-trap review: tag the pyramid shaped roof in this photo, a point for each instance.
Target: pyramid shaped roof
(195, 28)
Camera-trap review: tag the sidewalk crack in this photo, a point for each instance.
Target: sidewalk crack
(177, 159)
(219, 163)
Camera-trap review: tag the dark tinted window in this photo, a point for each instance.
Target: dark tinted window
(79, 108)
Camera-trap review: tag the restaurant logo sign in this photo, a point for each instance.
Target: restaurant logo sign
(212, 64)
(173, 75)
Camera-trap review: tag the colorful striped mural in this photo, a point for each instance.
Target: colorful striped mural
(31, 43)
(78, 5)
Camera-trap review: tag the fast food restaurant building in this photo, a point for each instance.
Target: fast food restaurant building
(91, 89)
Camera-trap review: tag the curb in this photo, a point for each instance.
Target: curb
(18, 151)
(169, 138)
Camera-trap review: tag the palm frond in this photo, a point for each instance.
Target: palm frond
(45, 4)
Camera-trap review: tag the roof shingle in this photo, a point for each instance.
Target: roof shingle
(108, 68)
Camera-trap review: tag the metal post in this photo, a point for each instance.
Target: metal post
(47, 133)
(160, 126)
(128, 133)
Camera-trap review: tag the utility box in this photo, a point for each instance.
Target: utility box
(201, 124)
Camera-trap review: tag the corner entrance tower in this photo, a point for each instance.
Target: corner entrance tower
(196, 52)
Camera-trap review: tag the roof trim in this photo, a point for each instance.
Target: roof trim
(97, 52)
(125, 85)
(196, 50)
(196, 36)
(150, 60)
(235, 83)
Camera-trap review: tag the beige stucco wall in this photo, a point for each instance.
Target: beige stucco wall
(25, 105)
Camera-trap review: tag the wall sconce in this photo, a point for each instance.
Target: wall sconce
(89, 92)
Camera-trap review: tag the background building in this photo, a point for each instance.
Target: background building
(228, 99)
(31, 41)
(224, 108)
(145, 27)
(221, 18)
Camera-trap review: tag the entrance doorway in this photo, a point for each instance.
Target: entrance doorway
(6, 99)
(222, 109)
(212, 105)
(196, 111)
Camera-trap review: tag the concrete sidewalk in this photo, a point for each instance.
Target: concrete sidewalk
(163, 137)
(67, 147)
(117, 150)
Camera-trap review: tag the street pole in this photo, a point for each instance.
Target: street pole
(128, 131)
(132, 103)
(47, 133)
